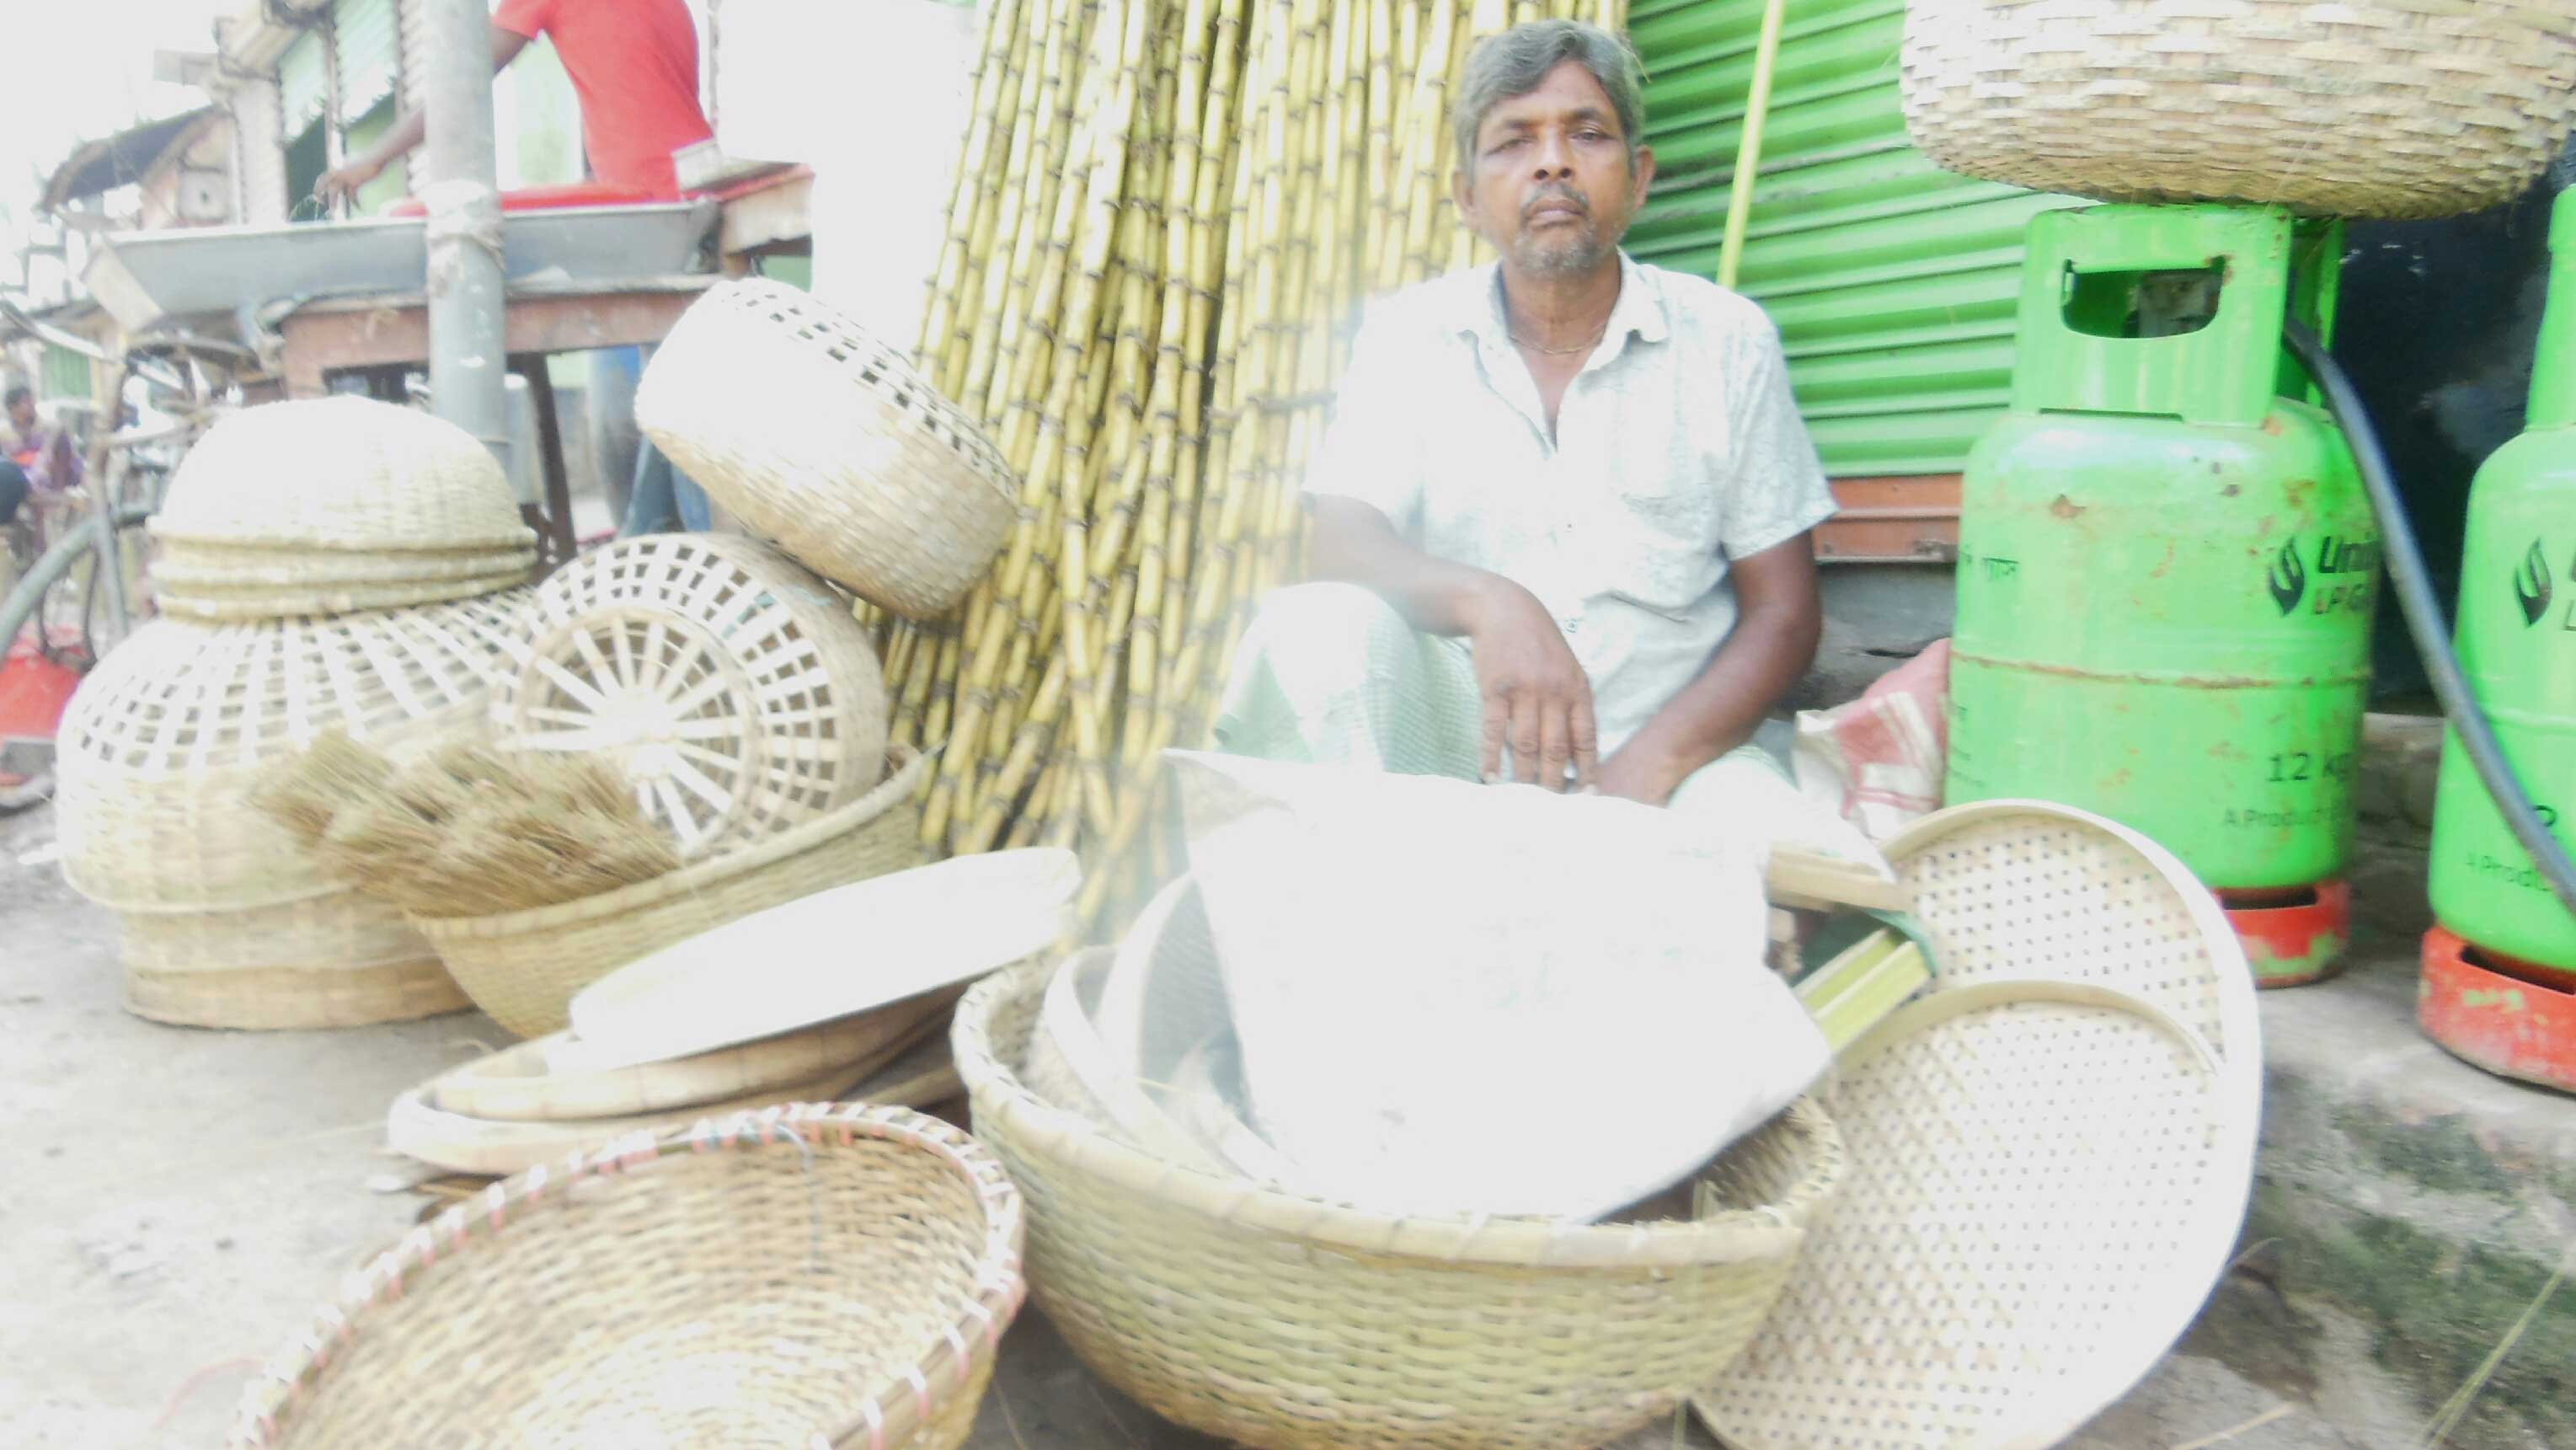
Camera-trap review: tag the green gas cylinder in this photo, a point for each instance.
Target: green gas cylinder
(2517, 643)
(2167, 566)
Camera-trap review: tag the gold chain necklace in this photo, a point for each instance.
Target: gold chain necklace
(1520, 341)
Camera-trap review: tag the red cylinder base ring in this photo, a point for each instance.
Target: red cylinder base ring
(2295, 936)
(2511, 1018)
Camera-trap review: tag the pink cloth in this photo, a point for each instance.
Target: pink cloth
(1878, 760)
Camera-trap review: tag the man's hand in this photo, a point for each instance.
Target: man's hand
(1536, 698)
(1638, 772)
(346, 181)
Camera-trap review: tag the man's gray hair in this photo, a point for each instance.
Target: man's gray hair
(1514, 62)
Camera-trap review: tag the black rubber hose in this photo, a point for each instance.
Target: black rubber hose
(2423, 613)
(20, 604)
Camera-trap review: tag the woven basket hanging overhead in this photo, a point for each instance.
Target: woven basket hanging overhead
(735, 689)
(158, 751)
(820, 436)
(2375, 108)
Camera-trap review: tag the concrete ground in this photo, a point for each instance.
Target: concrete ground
(175, 1203)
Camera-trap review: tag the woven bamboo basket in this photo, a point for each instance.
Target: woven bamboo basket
(1277, 1321)
(339, 960)
(821, 436)
(2047, 1179)
(2050, 1150)
(2375, 108)
(234, 566)
(233, 582)
(809, 1275)
(738, 692)
(320, 600)
(341, 475)
(158, 752)
(523, 968)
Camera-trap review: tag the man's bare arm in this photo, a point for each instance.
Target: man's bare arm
(1353, 543)
(1777, 623)
(407, 132)
(1536, 698)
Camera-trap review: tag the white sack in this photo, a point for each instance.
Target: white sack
(1456, 998)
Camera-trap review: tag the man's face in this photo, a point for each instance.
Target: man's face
(1551, 185)
(22, 413)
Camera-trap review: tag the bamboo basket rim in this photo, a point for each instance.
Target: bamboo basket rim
(890, 1411)
(2233, 1024)
(1739, 1236)
(898, 785)
(2156, 1311)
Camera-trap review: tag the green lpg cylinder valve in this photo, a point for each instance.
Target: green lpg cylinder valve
(2168, 566)
(2516, 635)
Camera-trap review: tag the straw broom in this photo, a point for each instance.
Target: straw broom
(465, 830)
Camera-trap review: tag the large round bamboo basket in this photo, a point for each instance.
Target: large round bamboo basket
(1278, 1321)
(735, 689)
(341, 474)
(338, 960)
(158, 752)
(821, 437)
(2376, 108)
(809, 1275)
(523, 968)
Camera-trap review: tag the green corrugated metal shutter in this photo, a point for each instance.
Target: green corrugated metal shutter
(1891, 280)
(66, 374)
(368, 34)
(304, 81)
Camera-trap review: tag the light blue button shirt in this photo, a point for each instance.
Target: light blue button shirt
(1677, 449)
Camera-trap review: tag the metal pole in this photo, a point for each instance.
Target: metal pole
(467, 360)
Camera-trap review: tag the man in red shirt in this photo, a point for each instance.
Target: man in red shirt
(634, 65)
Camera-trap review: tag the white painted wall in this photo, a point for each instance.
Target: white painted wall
(873, 95)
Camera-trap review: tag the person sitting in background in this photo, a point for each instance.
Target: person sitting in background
(1564, 500)
(634, 67)
(48, 460)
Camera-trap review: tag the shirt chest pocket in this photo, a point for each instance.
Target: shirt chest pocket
(1664, 517)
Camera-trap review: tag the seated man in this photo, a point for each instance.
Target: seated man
(1573, 490)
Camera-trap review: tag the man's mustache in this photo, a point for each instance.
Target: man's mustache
(1556, 192)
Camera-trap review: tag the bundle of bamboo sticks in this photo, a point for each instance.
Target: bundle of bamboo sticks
(1166, 218)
